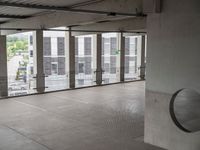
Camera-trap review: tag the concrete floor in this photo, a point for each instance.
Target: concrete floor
(101, 118)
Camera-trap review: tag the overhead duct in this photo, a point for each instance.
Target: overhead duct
(13, 16)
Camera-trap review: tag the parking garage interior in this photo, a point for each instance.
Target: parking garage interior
(99, 75)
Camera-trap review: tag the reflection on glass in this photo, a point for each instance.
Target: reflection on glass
(132, 57)
(22, 61)
(84, 68)
(54, 60)
(20, 64)
(110, 55)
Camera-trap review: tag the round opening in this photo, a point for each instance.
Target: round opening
(185, 110)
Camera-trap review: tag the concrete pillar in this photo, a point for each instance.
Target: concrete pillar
(97, 58)
(121, 57)
(3, 66)
(38, 60)
(70, 58)
(143, 52)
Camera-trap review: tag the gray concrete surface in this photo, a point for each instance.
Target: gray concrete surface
(100, 118)
(172, 64)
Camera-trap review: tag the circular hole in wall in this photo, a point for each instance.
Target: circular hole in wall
(185, 110)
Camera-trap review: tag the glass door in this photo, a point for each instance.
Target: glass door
(132, 57)
(20, 64)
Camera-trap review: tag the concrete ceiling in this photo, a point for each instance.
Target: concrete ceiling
(7, 7)
(48, 2)
(38, 18)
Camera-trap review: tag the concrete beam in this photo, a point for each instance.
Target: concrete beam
(38, 60)
(13, 16)
(121, 48)
(143, 55)
(97, 57)
(128, 24)
(70, 57)
(152, 6)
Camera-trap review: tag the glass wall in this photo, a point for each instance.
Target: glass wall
(110, 58)
(21, 61)
(132, 57)
(20, 66)
(84, 68)
(54, 60)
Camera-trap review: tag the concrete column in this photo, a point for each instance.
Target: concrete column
(143, 52)
(3, 66)
(70, 58)
(97, 58)
(38, 60)
(121, 57)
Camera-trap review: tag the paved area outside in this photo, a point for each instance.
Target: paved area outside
(13, 66)
(101, 118)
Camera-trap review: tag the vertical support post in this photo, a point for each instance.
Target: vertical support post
(3, 66)
(38, 60)
(121, 57)
(143, 52)
(70, 58)
(97, 58)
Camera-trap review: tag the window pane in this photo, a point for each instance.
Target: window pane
(109, 57)
(20, 65)
(55, 61)
(84, 61)
(132, 57)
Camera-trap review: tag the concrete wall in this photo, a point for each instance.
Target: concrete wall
(173, 62)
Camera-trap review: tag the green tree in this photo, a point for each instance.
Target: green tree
(16, 44)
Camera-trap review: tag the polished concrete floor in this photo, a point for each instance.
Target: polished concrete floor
(101, 118)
